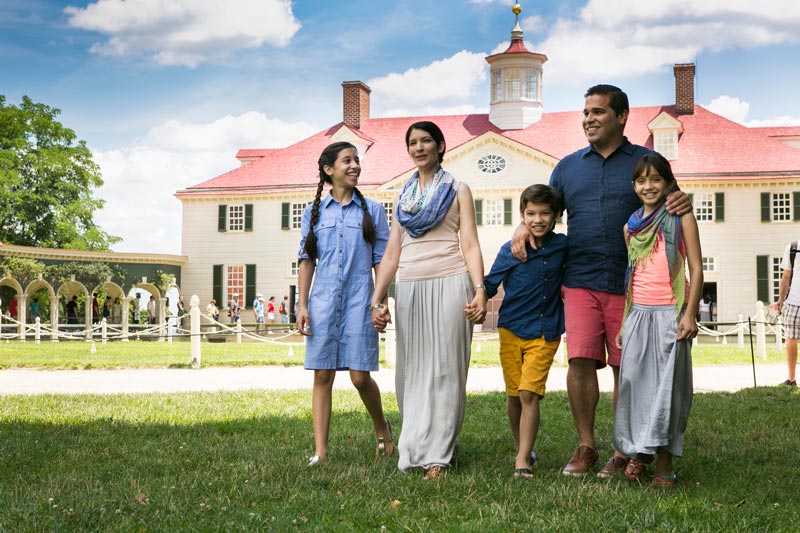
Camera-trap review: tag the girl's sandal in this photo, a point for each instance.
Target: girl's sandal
(525, 473)
(315, 461)
(385, 447)
(634, 470)
(664, 482)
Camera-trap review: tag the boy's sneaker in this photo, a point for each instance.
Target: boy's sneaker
(789, 383)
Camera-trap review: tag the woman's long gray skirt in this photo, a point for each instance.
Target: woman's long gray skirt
(433, 349)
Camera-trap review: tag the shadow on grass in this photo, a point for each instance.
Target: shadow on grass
(236, 461)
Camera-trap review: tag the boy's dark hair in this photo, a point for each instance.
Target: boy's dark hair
(654, 161)
(617, 99)
(542, 194)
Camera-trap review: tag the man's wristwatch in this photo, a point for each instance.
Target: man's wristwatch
(376, 306)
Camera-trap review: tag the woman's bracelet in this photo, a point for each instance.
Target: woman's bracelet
(376, 306)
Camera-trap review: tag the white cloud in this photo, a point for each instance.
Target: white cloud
(736, 110)
(185, 32)
(142, 178)
(633, 38)
(729, 107)
(415, 90)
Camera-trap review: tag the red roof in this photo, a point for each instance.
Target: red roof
(710, 147)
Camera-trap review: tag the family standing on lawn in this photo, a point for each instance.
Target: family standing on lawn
(604, 273)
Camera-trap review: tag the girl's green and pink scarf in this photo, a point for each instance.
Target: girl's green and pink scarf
(643, 238)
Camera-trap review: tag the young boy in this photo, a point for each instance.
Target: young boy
(531, 317)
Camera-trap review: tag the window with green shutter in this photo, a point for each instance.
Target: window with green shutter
(508, 214)
(248, 217)
(765, 207)
(222, 217)
(249, 284)
(796, 206)
(479, 212)
(216, 290)
(762, 278)
(286, 213)
(719, 207)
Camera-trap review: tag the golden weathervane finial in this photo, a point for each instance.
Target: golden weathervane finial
(517, 9)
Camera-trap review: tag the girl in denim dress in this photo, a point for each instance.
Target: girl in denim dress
(343, 239)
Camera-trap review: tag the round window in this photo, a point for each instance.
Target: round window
(491, 164)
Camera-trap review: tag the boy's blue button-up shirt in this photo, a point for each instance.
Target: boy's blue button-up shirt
(598, 197)
(532, 304)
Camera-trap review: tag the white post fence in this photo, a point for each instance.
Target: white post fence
(194, 314)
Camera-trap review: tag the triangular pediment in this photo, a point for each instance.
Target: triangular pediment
(490, 162)
(665, 121)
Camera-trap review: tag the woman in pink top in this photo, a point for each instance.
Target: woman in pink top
(433, 246)
(655, 377)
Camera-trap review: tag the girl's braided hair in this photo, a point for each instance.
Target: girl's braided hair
(328, 158)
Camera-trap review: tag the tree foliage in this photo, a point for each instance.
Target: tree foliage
(90, 274)
(22, 269)
(47, 181)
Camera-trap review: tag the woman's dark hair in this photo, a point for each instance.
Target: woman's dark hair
(432, 130)
(542, 194)
(327, 159)
(654, 161)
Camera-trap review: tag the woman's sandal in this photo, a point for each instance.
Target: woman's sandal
(664, 482)
(634, 469)
(381, 448)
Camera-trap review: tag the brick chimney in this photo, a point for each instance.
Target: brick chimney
(684, 88)
(355, 103)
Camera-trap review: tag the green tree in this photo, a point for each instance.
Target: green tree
(47, 181)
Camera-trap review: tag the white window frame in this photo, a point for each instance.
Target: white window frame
(293, 268)
(236, 217)
(389, 207)
(665, 142)
(781, 206)
(497, 86)
(777, 273)
(296, 215)
(531, 84)
(704, 207)
(709, 264)
(493, 212)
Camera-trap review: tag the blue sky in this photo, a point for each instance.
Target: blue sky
(166, 91)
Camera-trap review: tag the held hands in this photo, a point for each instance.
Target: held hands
(475, 311)
(303, 324)
(687, 328)
(618, 339)
(380, 318)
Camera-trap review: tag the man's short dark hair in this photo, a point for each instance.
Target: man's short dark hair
(617, 99)
(542, 194)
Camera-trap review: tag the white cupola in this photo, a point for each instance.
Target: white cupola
(516, 92)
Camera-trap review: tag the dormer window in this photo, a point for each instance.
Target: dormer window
(665, 142)
(665, 130)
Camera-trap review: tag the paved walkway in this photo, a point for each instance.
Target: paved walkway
(23, 381)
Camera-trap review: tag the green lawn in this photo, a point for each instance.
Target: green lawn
(151, 354)
(235, 461)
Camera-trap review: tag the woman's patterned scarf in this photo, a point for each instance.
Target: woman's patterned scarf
(643, 238)
(420, 211)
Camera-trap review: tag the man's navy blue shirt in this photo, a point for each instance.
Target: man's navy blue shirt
(598, 197)
(532, 304)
